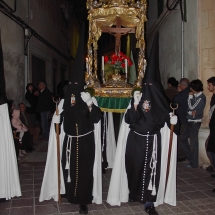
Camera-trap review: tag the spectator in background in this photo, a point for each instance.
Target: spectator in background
(31, 96)
(21, 132)
(172, 89)
(181, 99)
(43, 107)
(210, 142)
(25, 118)
(196, 105)
(17, 123)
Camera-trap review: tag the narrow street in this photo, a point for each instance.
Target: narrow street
(194, 193)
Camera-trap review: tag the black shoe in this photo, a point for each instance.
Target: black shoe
(213, 175)
(83, 209)
(131, 200)
(28, 150)
(210, 169)
(63, 196)
(181, 159)
(151, 210)
(3, 200)
(103, 171)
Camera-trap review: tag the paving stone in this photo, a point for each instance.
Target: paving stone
(107, 212)
(25, 195)
(193, 208)
(22, 211)
(97, 212)
(193, 180)
(46, 209)
(22, 202)
(68, 208)
(203, 186)
(4, 211)
(194, 194)
(167, 211)
(186, 187)
(184, 209)
(26, 187)
(135, 209)
(5, 205)
(184, 175)
(117, 211)
(126, 210)
(181, 197)
(46, 202)
(209, 193)
(176, 210)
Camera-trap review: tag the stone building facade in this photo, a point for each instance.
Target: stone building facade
(197, 36)
(46, 56)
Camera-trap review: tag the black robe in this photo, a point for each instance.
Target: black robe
(79, 190)
(138, 155)
(211, 140)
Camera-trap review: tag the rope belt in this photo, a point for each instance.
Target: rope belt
(68, 152)
(153, 163)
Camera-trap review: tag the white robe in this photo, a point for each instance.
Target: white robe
(9, 175)
(118, 190)
(110, 142)
(49, 187)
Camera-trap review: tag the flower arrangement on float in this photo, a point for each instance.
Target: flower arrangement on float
(118, 63)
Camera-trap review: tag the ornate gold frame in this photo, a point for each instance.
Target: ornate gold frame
(103, 14)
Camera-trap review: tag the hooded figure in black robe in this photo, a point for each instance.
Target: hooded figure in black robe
(143, 149)
(78, 116)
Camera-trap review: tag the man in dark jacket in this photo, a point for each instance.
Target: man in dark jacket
(181, 112)
(210, 142)
(43, 107)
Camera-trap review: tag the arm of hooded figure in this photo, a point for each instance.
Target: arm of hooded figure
(118, 189)
(168, 196)
(49, 187)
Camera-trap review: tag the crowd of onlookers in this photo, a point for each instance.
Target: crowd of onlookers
(191, 102)
(30, 119)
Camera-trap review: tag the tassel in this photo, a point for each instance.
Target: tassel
(68, 179)
(150, 185)
(67, 165)
(150, 182)
(154, 191)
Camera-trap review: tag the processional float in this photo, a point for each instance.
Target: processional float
(117, 17)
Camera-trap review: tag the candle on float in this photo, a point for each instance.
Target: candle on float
(103, 63)
(87, 66)
(126, 66)
(145, 64)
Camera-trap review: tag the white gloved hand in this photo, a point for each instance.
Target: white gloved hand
(56, 119)
(173, 119)
(86, 97)
(137, 97)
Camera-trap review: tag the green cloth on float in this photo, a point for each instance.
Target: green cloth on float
(115, 105)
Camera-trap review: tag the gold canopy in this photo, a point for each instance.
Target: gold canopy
(103, 14)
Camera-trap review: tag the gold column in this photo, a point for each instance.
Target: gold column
(128, 50)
